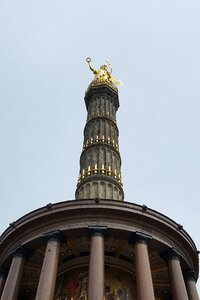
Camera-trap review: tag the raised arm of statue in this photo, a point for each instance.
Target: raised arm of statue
(90, 66)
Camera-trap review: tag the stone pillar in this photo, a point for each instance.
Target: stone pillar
(144, 284)
(177, 283)
(47, 281)
(190, 281)
(2, 279)
(96, 263)
(12, 285)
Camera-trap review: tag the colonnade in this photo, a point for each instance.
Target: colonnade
(181, 288)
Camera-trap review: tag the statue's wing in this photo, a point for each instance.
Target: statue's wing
(115, 81)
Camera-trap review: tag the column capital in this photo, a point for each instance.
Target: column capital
(139, 237)
(190, 275)
(97, 230)
(53, 236)
(18, 251)
(171, 254)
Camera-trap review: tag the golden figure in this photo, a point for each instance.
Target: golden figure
(103, 74)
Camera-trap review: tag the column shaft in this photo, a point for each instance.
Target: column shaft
(2, 282)
(144, 282)
(176, 277)
(192, 290)
(96, 267)
(46, 286)
(190, 281)
(12, 285)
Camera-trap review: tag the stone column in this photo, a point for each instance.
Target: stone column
(47, 281)
(144, 284)
(96, 263)
(175, 275)
(12, 285)
(190, 281)
(2, 279)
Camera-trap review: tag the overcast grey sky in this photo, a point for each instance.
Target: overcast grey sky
(154, 47)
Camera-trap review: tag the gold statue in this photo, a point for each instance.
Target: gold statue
(104, 74)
